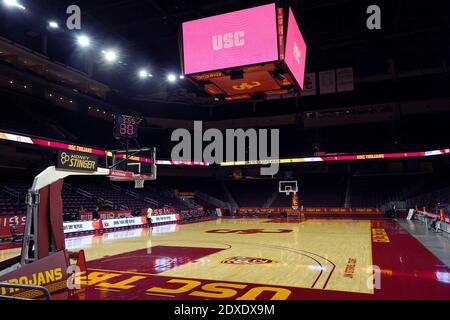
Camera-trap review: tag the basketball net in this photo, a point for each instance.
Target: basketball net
(139, 183)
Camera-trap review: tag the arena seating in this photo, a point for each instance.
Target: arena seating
(207, 185)
(163, 198)
(88, 193)
(124, 195)
(12, 198)
(373, 190)
(8, 206)
(252, 193)
(431, 191)
(73, 202)
(317, 191)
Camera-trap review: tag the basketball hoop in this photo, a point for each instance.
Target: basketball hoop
(139, 183)
(122, 176)
(133, 165)
(288, 187)
(289, 191)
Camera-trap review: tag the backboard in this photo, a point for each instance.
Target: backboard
(288, 187)
(138, 165)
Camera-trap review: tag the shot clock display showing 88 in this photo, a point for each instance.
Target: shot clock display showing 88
(126, 127)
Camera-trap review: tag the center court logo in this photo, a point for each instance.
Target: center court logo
(232, 144)
(246, 260)
(248, 231)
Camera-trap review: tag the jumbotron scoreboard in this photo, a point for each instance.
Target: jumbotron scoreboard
(247, 54)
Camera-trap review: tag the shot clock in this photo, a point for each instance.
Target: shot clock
(126, 127)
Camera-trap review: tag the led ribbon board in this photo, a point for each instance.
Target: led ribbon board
(358, 157)
(66, 146)
(341, 158)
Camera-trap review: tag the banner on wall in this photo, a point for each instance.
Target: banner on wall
(86, 215)
(327, 81)
(7, 221)
(89, 226)
(115, 214)
(127, 222)
(295, 202)
(81, 226)
(344, 79)
(314, 210)
(165, 218)
(158, 211)
(310, 88)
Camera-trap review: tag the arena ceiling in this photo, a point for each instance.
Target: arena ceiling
(150, 27)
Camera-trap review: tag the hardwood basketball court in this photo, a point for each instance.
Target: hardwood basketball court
(260, 259)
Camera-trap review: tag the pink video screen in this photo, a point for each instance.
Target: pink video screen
(295, 54)
(230, 40)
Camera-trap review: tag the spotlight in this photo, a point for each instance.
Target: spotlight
(53, 25)
(13, 4)
(83, 41)
(110, 55)
(144, 74)
(181, 77)
(171, 78)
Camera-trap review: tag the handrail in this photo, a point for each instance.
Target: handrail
(84, 193)
(151, 201)
(44, 290)
(132, 194)
(12, 192)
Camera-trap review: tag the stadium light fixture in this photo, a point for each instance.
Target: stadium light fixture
(53, 25)
(171, 78)
(13, 4)
(110, 55)
(144, 74)
(83, 41)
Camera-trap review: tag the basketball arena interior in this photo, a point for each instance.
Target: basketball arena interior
(224, 150)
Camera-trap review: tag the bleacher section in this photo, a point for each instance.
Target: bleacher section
(8, 206)
(155, 193)
(12, 197)
(209, 186)
(87, 193)
(123, 195)
(317, 191)
(118, 199)
(373, 190)
(430, 191)
(74, 201)
(251, 193)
